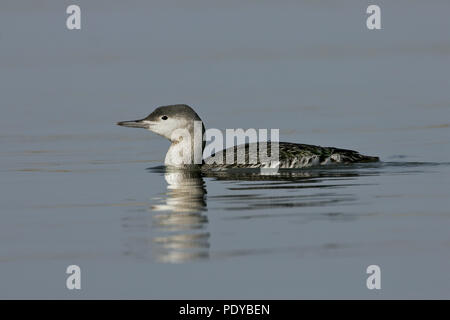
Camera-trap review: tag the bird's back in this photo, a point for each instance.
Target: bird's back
(291, 155)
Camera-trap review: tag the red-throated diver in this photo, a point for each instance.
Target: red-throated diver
(167, 121)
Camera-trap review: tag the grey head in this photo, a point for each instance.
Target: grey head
(166, 119)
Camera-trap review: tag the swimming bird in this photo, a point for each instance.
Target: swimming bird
(174, 121)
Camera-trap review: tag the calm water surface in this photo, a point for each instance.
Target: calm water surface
(77, 189)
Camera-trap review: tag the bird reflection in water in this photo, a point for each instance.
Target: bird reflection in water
(179, 221)
(179, 225)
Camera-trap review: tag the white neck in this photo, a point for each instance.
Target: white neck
(187, 145)
(183, 153)
(179, 154)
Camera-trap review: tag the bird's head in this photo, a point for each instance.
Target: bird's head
(166, 120)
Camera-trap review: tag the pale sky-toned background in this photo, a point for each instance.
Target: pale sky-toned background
(73, 182)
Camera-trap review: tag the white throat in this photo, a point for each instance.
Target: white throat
(179, 154)
(186, 148)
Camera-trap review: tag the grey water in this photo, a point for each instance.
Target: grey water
(77, 189)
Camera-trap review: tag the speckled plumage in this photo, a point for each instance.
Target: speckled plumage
(293, 155)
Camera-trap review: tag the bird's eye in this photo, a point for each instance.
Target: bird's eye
(164, 117)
